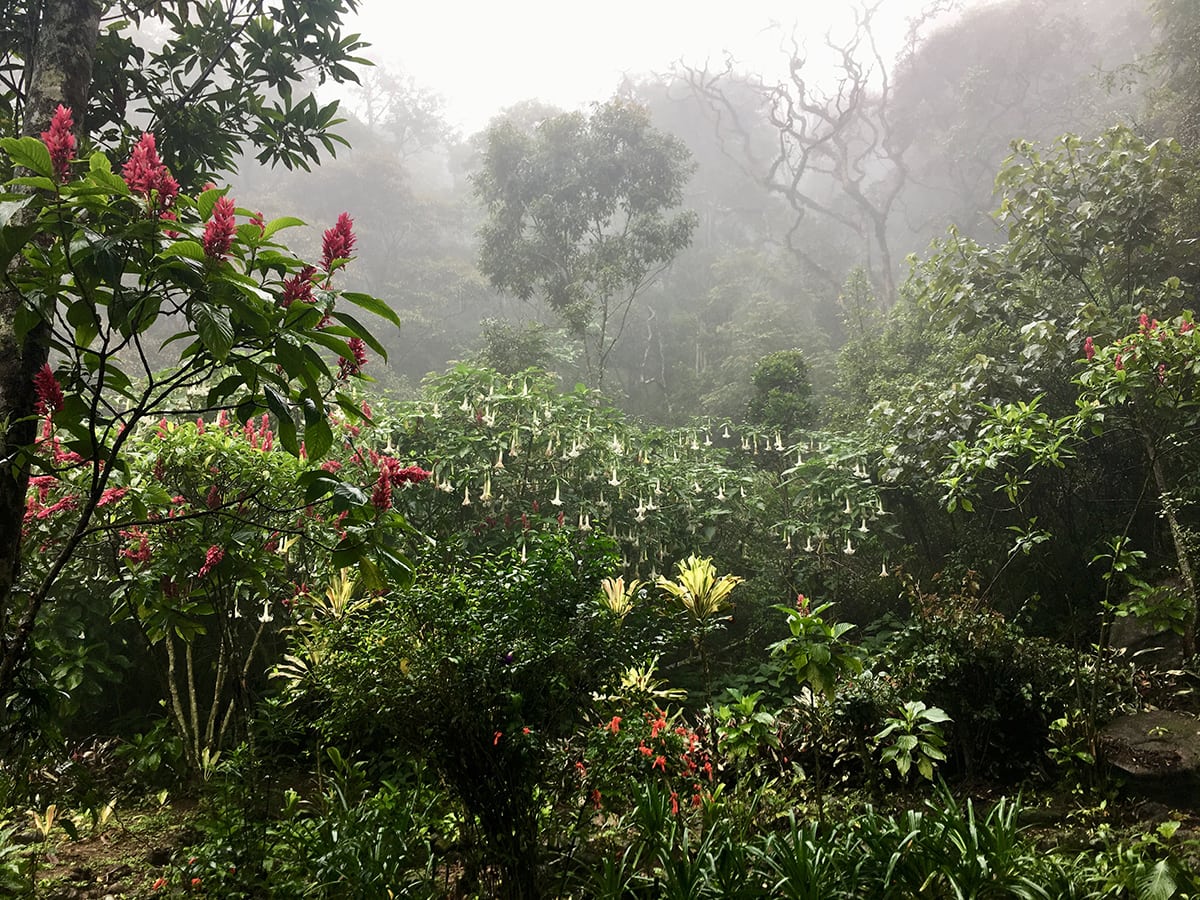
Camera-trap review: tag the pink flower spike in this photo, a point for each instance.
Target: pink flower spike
(146, 174)
(218, 232)
(1089, 348)
(60, 141)
(353, 367)
(48, 392)
(338, 242)
(211, 560)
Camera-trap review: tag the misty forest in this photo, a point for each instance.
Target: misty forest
(766, 480)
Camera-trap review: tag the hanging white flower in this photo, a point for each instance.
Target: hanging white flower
(466, 495)
(849, 548)
(557, 501)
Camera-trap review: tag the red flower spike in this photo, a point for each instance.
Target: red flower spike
(211, 560)
(60, 141)
(338, 242)
(218, 232)
(146, 174)
(346, 368)
(298, 287)
(47, 391)
(1089, 348)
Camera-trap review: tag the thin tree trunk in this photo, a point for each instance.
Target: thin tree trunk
(60, 72)
(1179, 541)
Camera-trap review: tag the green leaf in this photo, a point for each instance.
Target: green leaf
(317, 485)
(10, 208)
(347, 496)
(282, 222)
(13, 240)
(30, 153)
(186, 249)
(318, 438)
(213, 328)
(372, 305)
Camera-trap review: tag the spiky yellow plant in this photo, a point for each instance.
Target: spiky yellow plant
(698, 589)
(617, 597)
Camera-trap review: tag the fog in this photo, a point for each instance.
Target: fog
(922, 100)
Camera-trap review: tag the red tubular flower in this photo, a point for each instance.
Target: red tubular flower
(381, 497)
(346, 367)
(218, 232)
(1143, 323)
(60, 142)
(615, 725)
(140, 552)
(47, 391)
(146, 174)
(211, 560)
(257, 219)
(111, 495)
(298, 287)
(1118, 363)
(338, 242)
(1089, 348)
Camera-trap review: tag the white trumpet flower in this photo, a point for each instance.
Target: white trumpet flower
(557, 501)
(849, 548)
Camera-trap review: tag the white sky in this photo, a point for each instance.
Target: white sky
(483, 56)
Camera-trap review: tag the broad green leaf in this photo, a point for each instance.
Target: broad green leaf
(30, 153)
(318, 438)
(213, 328)
(372, 305)
(186, 249)
(282, 222)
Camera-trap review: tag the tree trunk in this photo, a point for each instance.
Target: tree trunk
(60, 72)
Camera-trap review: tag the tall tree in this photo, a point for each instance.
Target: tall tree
(582, 214)
(839, 156)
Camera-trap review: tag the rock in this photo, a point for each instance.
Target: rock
(1159, 751)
